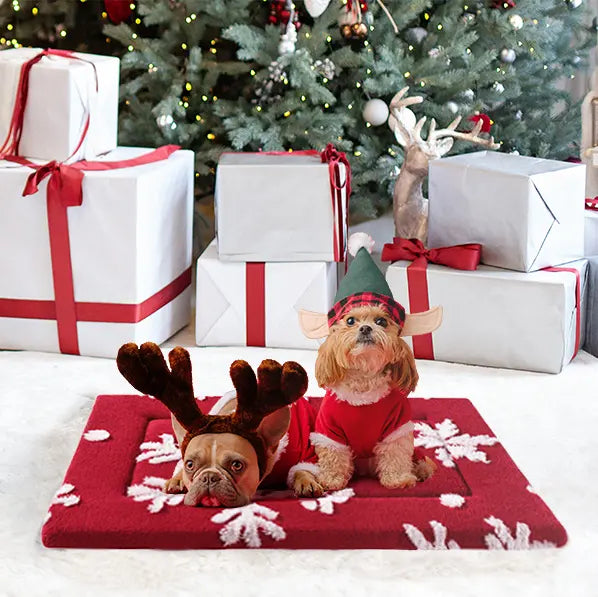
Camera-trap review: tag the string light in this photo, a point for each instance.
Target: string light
(34, 10)
(211, 136)
(258, 108)
(184, 46)
(188, 86)
(252, 73)
(287, 114)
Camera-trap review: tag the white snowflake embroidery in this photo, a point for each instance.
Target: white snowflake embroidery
(419, 540)
(151, 491)
(325, 504)
(96, 435)
(246, 522)
(65, 497)
(451, 446)
(165, 450)
(452, 500)
(503, 537)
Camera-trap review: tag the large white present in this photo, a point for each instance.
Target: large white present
(63, 93)
(495, 317)
(257, 304)
(290, 207)
(526, 212)
(86, 278)
(591, 229)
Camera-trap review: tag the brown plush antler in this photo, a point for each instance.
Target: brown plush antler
(146, 370)
(276, 386)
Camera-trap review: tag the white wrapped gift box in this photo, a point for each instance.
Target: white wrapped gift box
(526, 212)
(130, 250)
(257, 304)
(280, 208)
(591, 233)
(500, 318)
(62, 93)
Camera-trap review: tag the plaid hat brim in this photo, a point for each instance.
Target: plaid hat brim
(340, 309)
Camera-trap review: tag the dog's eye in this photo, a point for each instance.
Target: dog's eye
(188, 464)
(237, 466)
(381, 322)
(350, 320)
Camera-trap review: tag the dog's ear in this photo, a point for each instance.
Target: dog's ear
(329, 371)
(274, 426)
(403, 370)
(179, 430)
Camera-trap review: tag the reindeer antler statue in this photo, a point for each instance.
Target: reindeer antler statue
(409, 204)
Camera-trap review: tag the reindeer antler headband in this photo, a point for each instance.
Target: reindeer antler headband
(276, 386)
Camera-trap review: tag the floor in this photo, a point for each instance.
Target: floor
(547, 423)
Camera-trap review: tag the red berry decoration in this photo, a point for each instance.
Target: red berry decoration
(486, 121)
(280, 14)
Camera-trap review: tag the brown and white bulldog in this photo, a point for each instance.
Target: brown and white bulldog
(256, 436)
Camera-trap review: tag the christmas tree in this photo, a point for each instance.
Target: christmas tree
(272, 75)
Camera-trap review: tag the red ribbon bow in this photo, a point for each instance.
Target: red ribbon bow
(464, 257)
(10, 145)
(592, 204)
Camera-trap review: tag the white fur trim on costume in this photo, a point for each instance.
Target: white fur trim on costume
(319, 439)
(402, 431)
(359, 240)
(361, 398)
(282, 446)
(301, 466)
(222, 402)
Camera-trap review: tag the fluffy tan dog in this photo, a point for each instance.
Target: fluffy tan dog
(366, 365)
(364, 423)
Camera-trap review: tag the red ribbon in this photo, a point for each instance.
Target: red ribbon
(463, 257)
(255, 302)
(65, 190)
(574, 271)
(10, 145)
(592, 204)
(331, 156)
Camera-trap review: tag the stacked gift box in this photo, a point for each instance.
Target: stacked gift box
(281, 228)
(524, 307)
(95, 238)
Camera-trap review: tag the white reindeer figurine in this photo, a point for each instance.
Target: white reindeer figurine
(410, 207)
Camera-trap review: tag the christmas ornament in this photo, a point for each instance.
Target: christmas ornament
(272, 88)
(452, 107)
(166, 121)
(516, 22)
(506, 4)
(486, 121)
(316, 7)
(375, 112)
(325, 68)
(118, 10)
(351, 22)
(498, 87)
(574, 3)
(468, 95)
(409, 205)
(434, 52)
(281, 11)
(508, 55)
(416, 35)
(288, 39)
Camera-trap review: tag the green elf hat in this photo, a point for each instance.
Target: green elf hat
(364, 284)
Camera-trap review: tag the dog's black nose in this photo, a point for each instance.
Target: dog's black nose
(365, 330)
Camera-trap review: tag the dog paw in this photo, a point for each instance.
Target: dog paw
(174, 485)
(332, 482)
(306, 485)
(424, 469)
(398, 481)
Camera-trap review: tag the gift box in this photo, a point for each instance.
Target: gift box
(591, 340)
(290, 207)
(257, 304)
(591, 232)
(526, 212)
(68, 96)
(99, 255)
(495, 317)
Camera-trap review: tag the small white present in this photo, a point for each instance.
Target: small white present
(495, 317)
(257, 304)
(591, 228)
(290, 207)
(526, 212)
(96, 257)
(65, 91)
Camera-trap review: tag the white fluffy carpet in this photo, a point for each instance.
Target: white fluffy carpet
(549, 425)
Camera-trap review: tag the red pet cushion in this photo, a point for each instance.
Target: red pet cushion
(112, 494)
